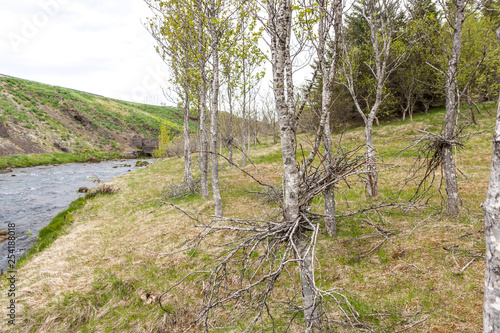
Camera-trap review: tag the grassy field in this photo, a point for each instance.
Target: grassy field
(424, 273)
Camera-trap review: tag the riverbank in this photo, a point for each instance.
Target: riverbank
(396, 269)
(52, 231)
(24, 161)
(31, 197)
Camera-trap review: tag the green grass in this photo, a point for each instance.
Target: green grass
(390, 282)
(53, 230)
(21, 161)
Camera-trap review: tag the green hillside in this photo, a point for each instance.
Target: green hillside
(37, 118)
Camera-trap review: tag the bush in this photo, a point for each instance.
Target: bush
(180, 190)
(102, 189)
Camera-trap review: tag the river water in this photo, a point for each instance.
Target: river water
(31, 197)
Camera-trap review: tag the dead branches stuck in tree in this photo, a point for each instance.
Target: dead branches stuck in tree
(257, 255)
(429, 150)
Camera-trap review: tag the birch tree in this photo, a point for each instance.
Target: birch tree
(227, 37)
(278, 25)
(491, 210)
(174, 44)
(380, 18)
(459, 76)
(229, 74)
(330, 19)
(206, 25)
(215, 29)
(452, 105)
(250, 59)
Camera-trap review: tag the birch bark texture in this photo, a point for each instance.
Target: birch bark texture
(452, 104)
(203, 154)
(330, 17)
(230, 102)
(188, 176)
(214, 107)
(279, 28)
(491, 210)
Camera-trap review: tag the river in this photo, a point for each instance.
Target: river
(31, 197)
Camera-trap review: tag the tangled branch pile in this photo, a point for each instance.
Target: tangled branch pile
(318, 178)
(258, 255)
(180, 190)
(429, 149)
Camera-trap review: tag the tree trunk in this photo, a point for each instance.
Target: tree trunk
(230, 101)
(311, 313)
(188, 177)
(203, 123)
(275, 139)
(382, 28)
(243, 116)
(280, 32)
(203, 139)
(371, 169)
(214, 118)
(329, 195)
(326, 95)
(491, 209)
(249, 127)
(451, 112)
(198, 144)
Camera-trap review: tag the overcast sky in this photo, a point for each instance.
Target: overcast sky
(99, 46)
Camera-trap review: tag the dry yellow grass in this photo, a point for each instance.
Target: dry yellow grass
(105, 274)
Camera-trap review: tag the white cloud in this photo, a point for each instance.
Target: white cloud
(95, 46)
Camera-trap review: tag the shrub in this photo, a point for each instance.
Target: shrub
(102, 189)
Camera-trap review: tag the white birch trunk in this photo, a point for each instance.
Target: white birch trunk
(328, 79)
(451, 112)
(371, 169)
(491, 209)
(243, 116)
(214, 118)
(311, 313)
(203, 156)
(188, 177)
(280, 31)
(329, 195)
(204, 137)
(230, 101)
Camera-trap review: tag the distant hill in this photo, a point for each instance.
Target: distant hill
(38, 118)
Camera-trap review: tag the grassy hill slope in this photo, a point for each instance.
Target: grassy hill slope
(36, 118)
(412, 270)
